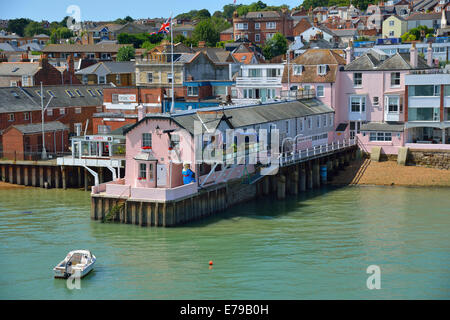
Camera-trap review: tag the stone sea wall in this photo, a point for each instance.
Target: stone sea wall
(429, 158)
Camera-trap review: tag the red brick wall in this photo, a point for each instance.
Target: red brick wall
(13, 144)
(113, 124)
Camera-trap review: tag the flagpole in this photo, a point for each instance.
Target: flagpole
(172, 108)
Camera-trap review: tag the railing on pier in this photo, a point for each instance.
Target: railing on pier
(288, 158)
(30, 156)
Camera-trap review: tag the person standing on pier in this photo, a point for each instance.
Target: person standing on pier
(188, 174)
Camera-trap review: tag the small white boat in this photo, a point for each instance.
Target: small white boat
(77, 262)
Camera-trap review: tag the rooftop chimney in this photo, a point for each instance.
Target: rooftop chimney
(349, 52)
(430, 62)
(413, 57)
(140, 113)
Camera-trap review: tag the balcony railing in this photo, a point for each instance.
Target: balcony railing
(256, 81)
(298, 94)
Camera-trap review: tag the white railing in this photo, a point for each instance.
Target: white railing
(290, 157)
(249, 81)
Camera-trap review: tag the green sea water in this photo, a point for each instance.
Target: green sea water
(314, 246)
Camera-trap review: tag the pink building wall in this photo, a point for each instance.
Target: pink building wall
(160, 150)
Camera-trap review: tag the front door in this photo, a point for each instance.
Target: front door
(355, 127)
(161, 175)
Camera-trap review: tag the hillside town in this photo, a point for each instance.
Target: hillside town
(218, 150)
(116, 102)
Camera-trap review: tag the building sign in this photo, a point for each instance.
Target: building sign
(127, 98)
(98, 138)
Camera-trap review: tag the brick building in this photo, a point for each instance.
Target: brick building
(99, 52)
(72, 105)
(28, 74)
(24, 142)
(262, 25)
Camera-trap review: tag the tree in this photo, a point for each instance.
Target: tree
(179, 38)
(34, 28)
(203, 14)
(275, 46)
(126, 53)
(18, 26)
(418, 33)
(60, 33)
(228, 10)
(206, 31)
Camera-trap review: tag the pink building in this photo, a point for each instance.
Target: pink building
(316, 71)
(371, 97)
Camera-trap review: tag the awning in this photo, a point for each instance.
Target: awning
(145, 156)
(383, 126)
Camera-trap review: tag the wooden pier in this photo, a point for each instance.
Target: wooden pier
(290, 180)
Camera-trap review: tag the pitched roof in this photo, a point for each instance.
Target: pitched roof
(110, 67)
(302, 26)
(91, 48)
(217, 55)
(245, 57)
(229, 30)
(16, 99)
(265, 14)
(424, 16)
(37, 127)
(244, 116)
(18, 68)
(383, 126)
(374, 60)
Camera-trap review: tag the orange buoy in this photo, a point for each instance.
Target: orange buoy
(211, 263)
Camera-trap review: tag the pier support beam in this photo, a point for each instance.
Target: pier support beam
(309, 178)
(50, 184)
(57, 178)
(281, 187)
(86, 179)
(11, 176)
(26, 177)
(18, 175)
(4, 173)
(33, 176)
(64, 177)
(79, 178)
(330, 171)
(302, 179)
(316, 175)
(41, 177)
(293, 189)
(266, 186)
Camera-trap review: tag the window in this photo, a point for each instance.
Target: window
(169, 77)
(49, 112)
(241, 26)
(380, 136)
(101, 79)
(99, 109)
(271, 25)
(118, 79)
(424, 90)
(391, 23)
(257, 25)
(322, 69)
(423, 114)
(301, 124)
(309, 122)
(149, 77)
(146, 140)
(357, 79)
(287, 126)
(85, 79)
(11, 117)
(393, 104)
(395, 79)
(142, 171)
(324, 120)
(254, 73)
(77, 129)
(298, 70)
(273, 73)
(26, 116)
(357, 104)
(391, 33)
(320, 91)
(150, 171)
(78, 110)
(269, 36)
(192, 91)
(174, 140)
(376, 101)
(318, 121)
(331, 119)
(257, 37)
(62, 111)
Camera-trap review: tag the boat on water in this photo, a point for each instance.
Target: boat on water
(77, 262)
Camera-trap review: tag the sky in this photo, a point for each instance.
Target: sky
(55, 10)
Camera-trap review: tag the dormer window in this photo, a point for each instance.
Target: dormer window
(322, 69)
(298, 70)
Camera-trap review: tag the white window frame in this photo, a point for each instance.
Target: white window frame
(191, 92)
(359, 85)
(388, 105)
(271, 25)
(317, 91)
(77, 110)
(380, 136)
(169, 77)
(322, 69)
(362, 104)
(395, 79)
(298, 69)
(257, 37)
(257, 25)
(26, 116)
(150, 77)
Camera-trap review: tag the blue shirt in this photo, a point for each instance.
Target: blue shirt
(188, 176)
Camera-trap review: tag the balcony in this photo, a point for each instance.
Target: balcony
(424, 101)
(258, 82)
(424, 114)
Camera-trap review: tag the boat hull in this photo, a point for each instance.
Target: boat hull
(60, 272)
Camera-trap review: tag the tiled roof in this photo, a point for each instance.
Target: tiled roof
(91, 48)
(18, 68)
(15, 99)
(383, 126)
(424, 16)
(37, 127)
(265, 14)
(112, 67)
(245, 58)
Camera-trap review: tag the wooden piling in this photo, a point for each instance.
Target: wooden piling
(281, 187)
